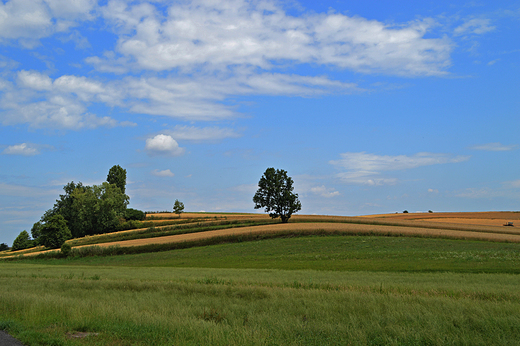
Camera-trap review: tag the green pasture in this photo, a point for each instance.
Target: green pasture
(335, 252)
(314, 290)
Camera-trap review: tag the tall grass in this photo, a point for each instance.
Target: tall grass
(165, 306)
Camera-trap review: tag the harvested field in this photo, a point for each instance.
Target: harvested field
(229, 216)
(486, 226)
(496, 218)
(326, 228)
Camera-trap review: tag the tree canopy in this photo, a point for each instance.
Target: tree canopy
(178, 207)
(54, 232)
(23, 241)
(117, 176)
(90, 210)
(275, 194)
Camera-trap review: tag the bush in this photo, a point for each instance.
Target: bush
(23, 241)
(134, 214)
(66, 249)
(4, 247)
(405, 212)
(55, 232)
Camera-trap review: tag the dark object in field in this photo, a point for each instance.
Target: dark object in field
(510, 224)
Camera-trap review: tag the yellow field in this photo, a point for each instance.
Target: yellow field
(327, 227)
(486, 226)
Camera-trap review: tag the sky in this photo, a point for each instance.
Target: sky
(370, 106)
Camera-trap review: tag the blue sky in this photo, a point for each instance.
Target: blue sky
(371, 106)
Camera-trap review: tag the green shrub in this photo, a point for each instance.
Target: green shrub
(23, 241)
(66, 249)
(134, 214)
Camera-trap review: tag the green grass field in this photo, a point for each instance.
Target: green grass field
(326, 290)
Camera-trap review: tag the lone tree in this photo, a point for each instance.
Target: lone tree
(178, 207)
(275, 194)
(117, 176)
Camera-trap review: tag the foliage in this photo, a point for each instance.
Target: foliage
(275, 194)
(134, 214)
(23, 241)
(178, 207)
(90, 210)
(54, 232)
(98, 209)
(405, 212)
(117, 176)
(36, 232)
(4, 247)
(66, 249)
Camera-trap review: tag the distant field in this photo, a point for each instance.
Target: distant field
(478, 226)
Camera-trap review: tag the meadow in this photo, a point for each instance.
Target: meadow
(304, 289)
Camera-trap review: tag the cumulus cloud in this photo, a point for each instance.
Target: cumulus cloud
(208, 52)
(496, 146)
(30, 20)
(41, 102)
(217, 35)
(163, 145)
(164, 173)
(24, 149)
(364, 168)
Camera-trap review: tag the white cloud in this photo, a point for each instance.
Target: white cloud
(475, 26)
(220, 34)
(164, 173)
(366, 169)
(324, 191)
(494, 147)
(192, 133)
(433, 191)
(21, 149)
(30, 20)
(24, 149)
(41, 102)
(371, 162)
(163, 145)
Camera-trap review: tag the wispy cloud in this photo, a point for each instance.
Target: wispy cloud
(197, 134)
(164, 173)
(25, 149)
(324, 191)
(474, 26)
(496, 146)
(367, 169)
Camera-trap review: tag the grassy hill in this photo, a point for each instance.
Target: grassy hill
(396, 279)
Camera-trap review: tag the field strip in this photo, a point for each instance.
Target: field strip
(324, 227)
(309, 228)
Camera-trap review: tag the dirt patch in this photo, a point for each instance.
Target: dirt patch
(80, 335)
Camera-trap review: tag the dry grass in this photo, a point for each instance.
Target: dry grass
(335, 227)
(485, 217)
(486, 226)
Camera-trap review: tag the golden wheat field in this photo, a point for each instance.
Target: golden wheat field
(488, 226)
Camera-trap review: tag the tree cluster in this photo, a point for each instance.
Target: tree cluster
(80, 211)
